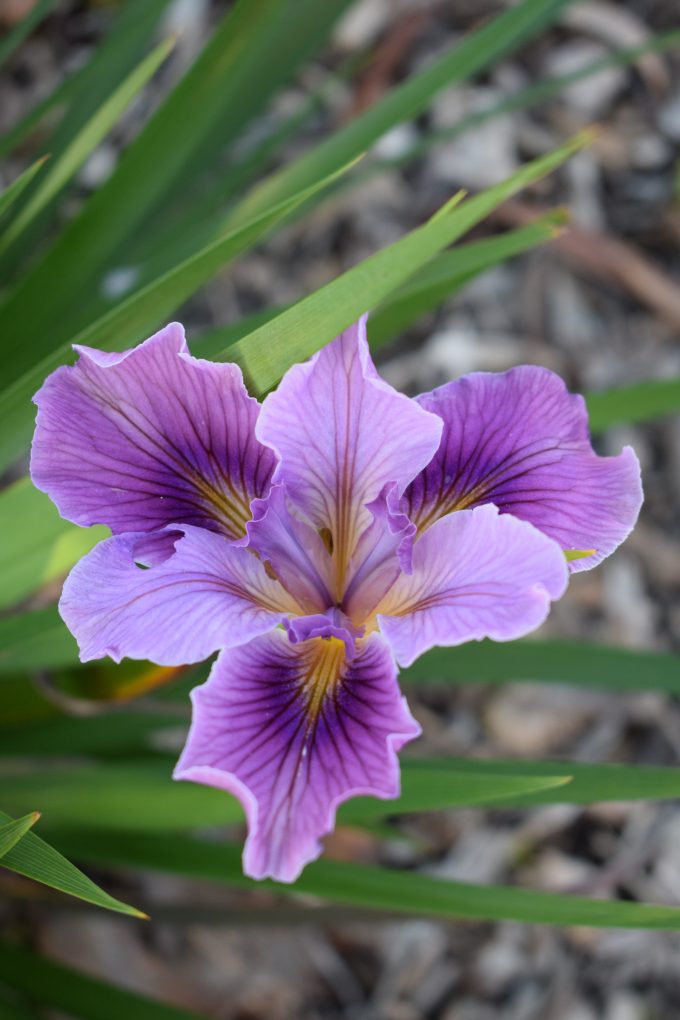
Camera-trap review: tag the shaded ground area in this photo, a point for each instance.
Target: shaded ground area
(602, 307)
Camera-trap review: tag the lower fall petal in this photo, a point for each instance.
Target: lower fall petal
(173, 597)
(476, 574)
(293, 730)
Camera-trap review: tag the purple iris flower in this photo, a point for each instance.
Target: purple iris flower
(315, 541)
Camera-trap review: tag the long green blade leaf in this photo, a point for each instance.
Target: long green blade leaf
(478, 50)
(23, 29)
(439, 279)
(59, 98)
(86, 89)
(136, 798)
(641, 402)
(191, 221)
(283, 35)
(141, 313)
(450, 271)
(142, 797)
(589, 784)
(11, 832)
(12, 192)
(35, 859)
(77, 994)
(434, 789)
(42, 545)
(35, 640)
(62, 169)
(123, 47)
(229, 81)
(526, 97)
(301, 330)
(13, 1011)
(569, 662)
(394, 891)
(111, 733)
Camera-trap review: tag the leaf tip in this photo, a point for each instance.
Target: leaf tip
(578, 554)
(561, 218)
(449, 205)
(587, 136)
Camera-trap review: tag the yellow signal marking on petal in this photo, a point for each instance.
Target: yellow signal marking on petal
(232, 510)
(577, 554)
(370, 625)
(447, 504)
(323, 673)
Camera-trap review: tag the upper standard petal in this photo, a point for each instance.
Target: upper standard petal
(150, 437)
(520, 440)
(173, 596)
(342, 434)
(476, 574)
(293, 730)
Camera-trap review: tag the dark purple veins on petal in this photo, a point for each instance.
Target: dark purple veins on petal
(150, 437)
(293, 730)
(519, 440)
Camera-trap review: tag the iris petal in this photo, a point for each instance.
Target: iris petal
(294, 551)
(382, 552)
(476, 574)
(342, 434)
(293, 730)
(520, 440)
(173, 597)
(150, 437)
